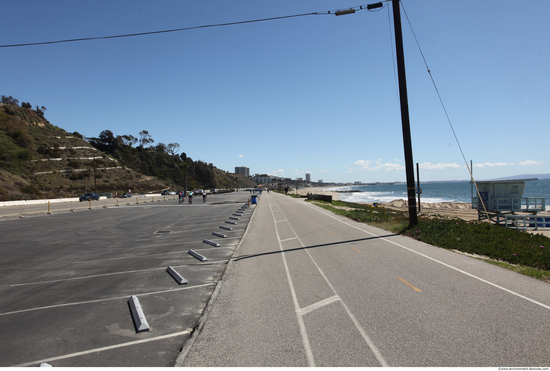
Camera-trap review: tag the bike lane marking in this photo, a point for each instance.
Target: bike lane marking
(336, 297)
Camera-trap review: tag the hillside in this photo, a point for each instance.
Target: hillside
(41, 160)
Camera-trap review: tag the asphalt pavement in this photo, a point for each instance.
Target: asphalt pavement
(306, 287)
(66, 278)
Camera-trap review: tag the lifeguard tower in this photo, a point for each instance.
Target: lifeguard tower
(502, 202)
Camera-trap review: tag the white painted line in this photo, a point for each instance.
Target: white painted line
(176, 276)
(102, 349)
(83, 277)
(357, 324)
(439, 262)
(140, 322)
(320, 304)
(197, 255)
(299, 318)
(105, 299)
(101, 275)
(288, 239)
(128, 257)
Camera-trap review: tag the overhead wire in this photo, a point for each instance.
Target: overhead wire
(328, 12)
(445, 110)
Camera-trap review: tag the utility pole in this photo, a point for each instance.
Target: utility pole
(407, 143)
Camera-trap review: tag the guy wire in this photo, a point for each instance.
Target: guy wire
(446, 114)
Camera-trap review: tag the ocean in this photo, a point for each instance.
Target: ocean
(431, 192)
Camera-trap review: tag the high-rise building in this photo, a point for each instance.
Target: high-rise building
(308, 177)
(242, 170)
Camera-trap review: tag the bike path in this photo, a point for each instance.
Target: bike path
(308, 288)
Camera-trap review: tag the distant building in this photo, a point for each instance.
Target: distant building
(262, 179)
(308, 177)
(357, 183)
(242, 170)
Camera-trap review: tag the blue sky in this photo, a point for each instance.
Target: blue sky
(314, 94)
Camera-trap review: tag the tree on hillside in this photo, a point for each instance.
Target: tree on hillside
(10, 100)
(40, 111)
(161, 147)
(129, 140)
(106, 141)
(145, 138)
(172, 149)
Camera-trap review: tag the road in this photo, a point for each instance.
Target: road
(66, 278)
(309, 288)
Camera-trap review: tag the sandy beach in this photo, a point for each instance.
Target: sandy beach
(460, 210)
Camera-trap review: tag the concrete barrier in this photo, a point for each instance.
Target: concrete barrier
(176, 276)
(197, 255)
(140, 322)
(215, 244)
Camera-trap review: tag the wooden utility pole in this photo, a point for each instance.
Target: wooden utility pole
(407, 143)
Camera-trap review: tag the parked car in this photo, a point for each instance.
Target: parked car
(126, 195)
(89, 196)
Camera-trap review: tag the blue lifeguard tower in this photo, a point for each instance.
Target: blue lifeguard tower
(502, 202)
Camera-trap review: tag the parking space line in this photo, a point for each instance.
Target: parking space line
(125, 297)
(129, 257)
(97, 350)
(111, 274)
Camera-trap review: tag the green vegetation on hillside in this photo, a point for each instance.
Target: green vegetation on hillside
(41, 160)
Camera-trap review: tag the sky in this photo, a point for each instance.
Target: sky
(313, 94)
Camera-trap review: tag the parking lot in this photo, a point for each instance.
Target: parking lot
(66, 279)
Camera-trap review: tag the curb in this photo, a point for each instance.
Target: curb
(202, 320)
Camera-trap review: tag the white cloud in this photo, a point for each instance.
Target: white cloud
(240, 156)
(530, 163)
(367, 165)
(324, 171)
(488, 164)
(393, 167)
(278, 172)
(439, 166)
(363, 163)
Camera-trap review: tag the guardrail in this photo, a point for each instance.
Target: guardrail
(525, 221)
(58, 200)
(524, 204)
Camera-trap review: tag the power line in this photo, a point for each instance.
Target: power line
(328, 12)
